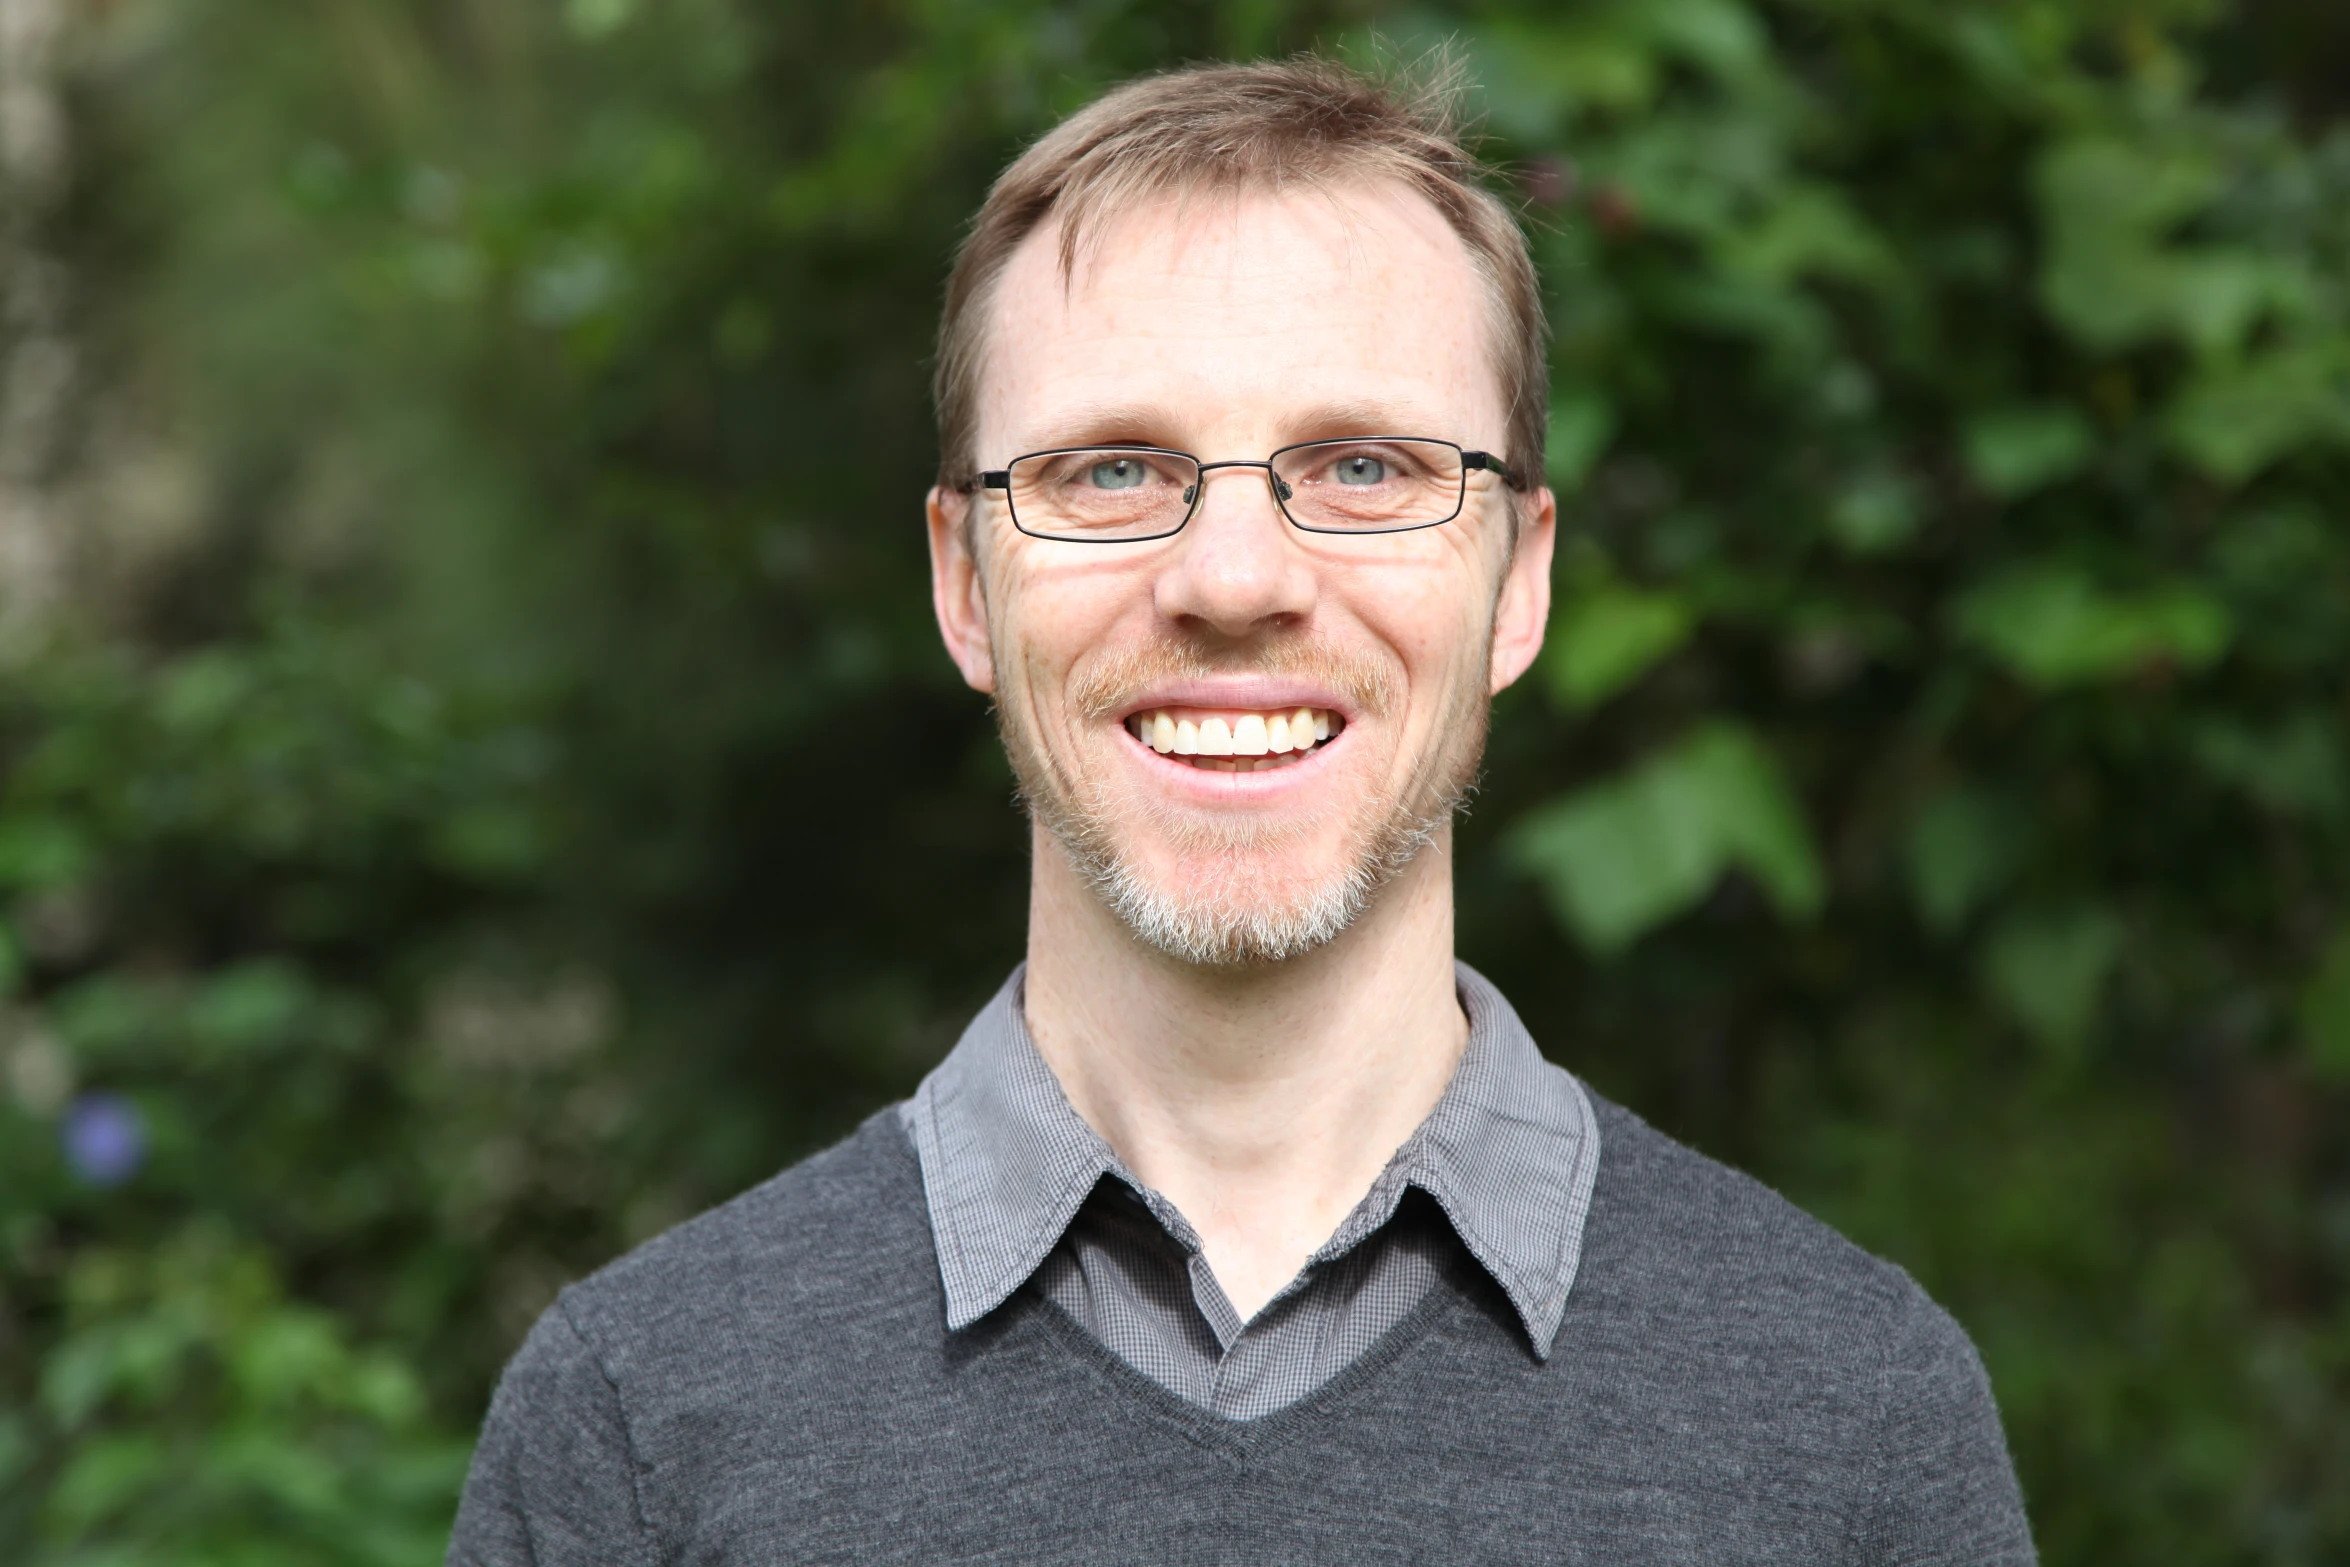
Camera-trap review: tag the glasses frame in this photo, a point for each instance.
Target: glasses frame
(1001, 479)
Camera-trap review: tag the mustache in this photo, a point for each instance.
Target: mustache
(1107, 687)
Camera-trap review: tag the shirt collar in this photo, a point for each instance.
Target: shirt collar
(1510, 1154)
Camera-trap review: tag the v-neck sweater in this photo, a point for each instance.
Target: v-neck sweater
(776, 1382)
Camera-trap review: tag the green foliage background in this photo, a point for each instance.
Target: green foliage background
(497, 791)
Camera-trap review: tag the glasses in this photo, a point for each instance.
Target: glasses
(1124, 494)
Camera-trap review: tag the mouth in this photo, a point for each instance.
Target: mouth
(1235, 740)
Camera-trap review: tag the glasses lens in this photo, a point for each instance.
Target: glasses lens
(1107, 492)
(1371, 484)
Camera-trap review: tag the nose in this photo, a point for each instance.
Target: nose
(1236, 566)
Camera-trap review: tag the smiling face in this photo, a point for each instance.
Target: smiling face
(1238, 734)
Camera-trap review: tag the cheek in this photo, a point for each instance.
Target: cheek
(1434, 618)
(1050, 616)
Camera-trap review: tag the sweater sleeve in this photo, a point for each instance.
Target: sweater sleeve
(1940, 1490)
(553, 1481)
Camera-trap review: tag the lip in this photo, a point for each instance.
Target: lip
(1248, 693)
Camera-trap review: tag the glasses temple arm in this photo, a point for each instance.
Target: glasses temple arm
(1491, 463)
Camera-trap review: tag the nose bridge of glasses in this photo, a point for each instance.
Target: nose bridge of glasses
(1195, 495)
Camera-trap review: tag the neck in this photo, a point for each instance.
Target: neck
(1262, 1101)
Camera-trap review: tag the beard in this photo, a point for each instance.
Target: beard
(1225, 911)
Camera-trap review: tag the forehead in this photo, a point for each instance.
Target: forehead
(1237, 315)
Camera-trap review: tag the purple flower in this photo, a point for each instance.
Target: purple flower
(105, 1141)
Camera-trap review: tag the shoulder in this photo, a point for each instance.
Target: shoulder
(659, 1362)
(1706, 1256)
(1724, 1344)
(840, 1237)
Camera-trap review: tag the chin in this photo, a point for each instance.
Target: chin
(1255, 895)
(1236, 923)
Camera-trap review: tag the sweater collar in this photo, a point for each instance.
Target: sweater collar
(1510, 1155)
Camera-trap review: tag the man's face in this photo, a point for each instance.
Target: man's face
(1228, 328)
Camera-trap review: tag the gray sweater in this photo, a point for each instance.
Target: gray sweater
(775, 1382)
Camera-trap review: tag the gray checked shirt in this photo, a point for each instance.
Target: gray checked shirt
(1021, 1189)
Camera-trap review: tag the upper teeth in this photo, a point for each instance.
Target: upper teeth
(1233, 734)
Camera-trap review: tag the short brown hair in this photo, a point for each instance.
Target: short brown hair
(1236, 127)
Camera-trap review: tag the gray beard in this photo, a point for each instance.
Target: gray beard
(1230, 924)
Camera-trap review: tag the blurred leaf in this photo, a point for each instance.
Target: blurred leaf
(2048, 966)
(2113, 274)
(2051, 625)
(1580, 423)
(1724, 36)
(2014, 451)
(2236, 418)
(593, 19)
(40, 851)
(315, 1447)
(1607, 635)
(2295, 769)
(1810, 230)
(1876, 513)
(1619, 858)
(1962, 847)
(2325, 1011)
(492, 840)
(104, 1478)
(249, 1007)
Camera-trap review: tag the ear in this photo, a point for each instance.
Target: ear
(957, 591)
(1523, 607)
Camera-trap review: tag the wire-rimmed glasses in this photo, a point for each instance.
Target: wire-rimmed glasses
(1126, 494)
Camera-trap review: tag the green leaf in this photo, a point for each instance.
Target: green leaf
(105, 1477)
(288, 1355)
(1810, 230)
(1877, 512)
(1724, 36)
(2325, 1011)
(1621, 857)
(2218, 295)
(593, 19)
(2051, 625)
(2113, 276)
(2296, 769)
(41, 851)
(1581, 421)
(2047, 967)
(247, 1008)
(1603, 639)
(2234, 419)
(1533, 73)
(491, 840)
(1962, 847)
(2014, 451)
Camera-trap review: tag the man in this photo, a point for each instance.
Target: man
(1244, 1225)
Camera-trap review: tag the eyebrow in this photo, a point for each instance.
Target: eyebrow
(1363, 417)
(1127, 424)
(1152, 424)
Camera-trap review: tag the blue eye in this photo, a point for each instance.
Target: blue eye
(1360, 470)
(1122, 473)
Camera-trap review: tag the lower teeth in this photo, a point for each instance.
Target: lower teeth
(1241, 764)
